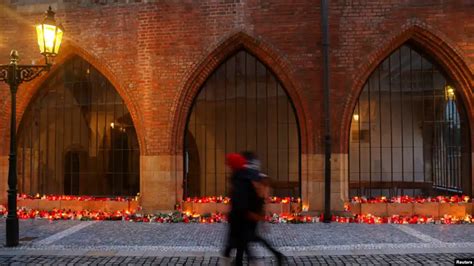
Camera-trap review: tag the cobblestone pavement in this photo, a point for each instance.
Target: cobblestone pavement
(105, 233)
(447, 233)
(212, 235)
(114, 242)
(38, 229)
(410, 259)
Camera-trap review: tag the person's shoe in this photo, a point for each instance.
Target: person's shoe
(225, 253)
(280, 258)
(257, 262)
(225, 261)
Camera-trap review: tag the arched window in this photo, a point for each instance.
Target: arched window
(409, 135)
(77, 137)
(242, 106)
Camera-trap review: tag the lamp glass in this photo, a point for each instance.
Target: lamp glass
(59, 38)
(49, 38)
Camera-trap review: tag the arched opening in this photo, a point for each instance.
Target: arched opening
(78, 107)
(241, 106)
(409, 132)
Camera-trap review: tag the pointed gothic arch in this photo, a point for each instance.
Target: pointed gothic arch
(265, 53)
(431, 42)
(409, 130)
(70, 50)
(241, 106)
(268, 57)
(77, 136)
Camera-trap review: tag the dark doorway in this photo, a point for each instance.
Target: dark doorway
(72, 169)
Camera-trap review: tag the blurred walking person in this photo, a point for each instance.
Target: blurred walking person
(238, 237)
(258, 193)
(248, 193)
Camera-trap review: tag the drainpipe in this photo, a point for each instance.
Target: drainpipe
(327, 117)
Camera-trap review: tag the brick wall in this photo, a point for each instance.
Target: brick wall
(158, 53)
(153, 49)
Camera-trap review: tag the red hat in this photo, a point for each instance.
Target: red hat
(235, 161)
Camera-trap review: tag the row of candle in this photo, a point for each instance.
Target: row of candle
(225, 200)
(408, 199)
(177, 217)
(371, 219)
(397, 219)
(69, 197)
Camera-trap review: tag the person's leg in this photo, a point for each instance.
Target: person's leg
(266, 244)
(227, 250)
(249, 253)
(275, 252)
(250, 237)
(233, 234)
(240, 239)
(239, 257)
(229, 241)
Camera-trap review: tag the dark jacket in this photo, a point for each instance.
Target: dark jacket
(244, 199)
(242, 191)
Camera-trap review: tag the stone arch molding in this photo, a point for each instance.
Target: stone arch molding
(266, 54)
(435, 44)
(27, 91)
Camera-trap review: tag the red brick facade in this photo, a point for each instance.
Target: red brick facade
(157, 55)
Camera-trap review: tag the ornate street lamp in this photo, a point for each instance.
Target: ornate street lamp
(49, 40)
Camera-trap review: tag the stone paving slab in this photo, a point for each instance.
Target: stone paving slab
(447, 232)
(292, 250)
(118, 233)
(258, 252)
(128, 233)
(38, 229)
(127, 239)
(388, 259)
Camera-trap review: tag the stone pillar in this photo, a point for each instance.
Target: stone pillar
(312, 181)
(339, 180)
(3, 179)
(160, 182)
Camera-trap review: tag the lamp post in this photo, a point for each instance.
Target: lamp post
(49, 36)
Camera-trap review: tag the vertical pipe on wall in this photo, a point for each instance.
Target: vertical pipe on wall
(327, 129)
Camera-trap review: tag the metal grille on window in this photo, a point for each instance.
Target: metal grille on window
(409, 134)
(77, 137)
(242, 106)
